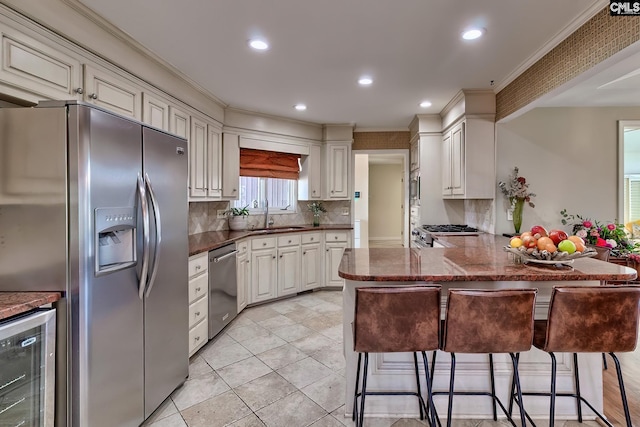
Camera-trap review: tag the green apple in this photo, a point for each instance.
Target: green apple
(567, 246)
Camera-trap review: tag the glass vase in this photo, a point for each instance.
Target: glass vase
(316, 220)
(518, 205)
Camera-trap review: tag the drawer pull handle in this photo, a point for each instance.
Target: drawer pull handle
(198, 267)
(264, 244)
(312, 239)
(289, 241)
(336, 237)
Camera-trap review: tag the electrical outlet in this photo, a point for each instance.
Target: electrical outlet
(345, 211)
(509, 214)
(220, 214)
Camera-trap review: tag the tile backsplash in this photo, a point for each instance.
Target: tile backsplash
(203, 216)
(479, 214)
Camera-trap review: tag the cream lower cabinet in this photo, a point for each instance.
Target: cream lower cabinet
(264, 266)
(288, 264)
(311, 271)
(198, 301)
(243, 263)
(335, 244)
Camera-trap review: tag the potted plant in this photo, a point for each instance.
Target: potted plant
(238, 218)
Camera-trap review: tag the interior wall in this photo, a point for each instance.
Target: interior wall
(385, 201)
(569, 158)
(361, 204)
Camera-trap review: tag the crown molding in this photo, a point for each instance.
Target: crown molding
(579, 21)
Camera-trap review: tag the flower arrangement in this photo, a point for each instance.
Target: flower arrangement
(238, 211)
(516, 189)
(317, 209)
(610, 235)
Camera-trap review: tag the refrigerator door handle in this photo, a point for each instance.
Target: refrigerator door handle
(157, 222)
(142, 194)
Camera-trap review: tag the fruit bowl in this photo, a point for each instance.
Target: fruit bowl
(546, 257)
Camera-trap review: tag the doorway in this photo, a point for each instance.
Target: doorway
(629, 174)
(381, 198)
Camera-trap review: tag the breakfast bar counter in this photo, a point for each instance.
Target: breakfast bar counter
(470, 262)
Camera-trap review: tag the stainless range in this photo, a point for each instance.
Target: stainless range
(423, 235)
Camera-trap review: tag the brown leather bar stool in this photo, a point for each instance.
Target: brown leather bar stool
(593, 319)
(488, 322)
(391, 320)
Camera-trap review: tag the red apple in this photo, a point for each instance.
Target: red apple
(557, 236)
(529, 242)
(538, 229)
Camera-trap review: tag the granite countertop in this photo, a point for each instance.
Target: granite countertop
(203, 242)
(467, 258)
(12, 303)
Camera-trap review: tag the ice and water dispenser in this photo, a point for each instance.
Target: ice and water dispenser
(115, 238)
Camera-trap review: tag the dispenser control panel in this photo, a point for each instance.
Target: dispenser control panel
(115, 238)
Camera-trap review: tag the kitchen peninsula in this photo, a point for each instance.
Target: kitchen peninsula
(471, 262)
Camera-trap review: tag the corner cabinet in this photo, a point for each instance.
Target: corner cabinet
(468, 160)
(337, 161)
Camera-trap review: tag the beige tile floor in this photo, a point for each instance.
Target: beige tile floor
(276, 365)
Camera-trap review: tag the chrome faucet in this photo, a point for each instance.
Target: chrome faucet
(266, 213)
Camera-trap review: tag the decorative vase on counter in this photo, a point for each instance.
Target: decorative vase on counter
(237, 223)
(518, 205)
(316, 219)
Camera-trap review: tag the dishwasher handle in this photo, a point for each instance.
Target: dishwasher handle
(220, 258)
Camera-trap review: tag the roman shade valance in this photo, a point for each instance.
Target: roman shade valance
(269, 164)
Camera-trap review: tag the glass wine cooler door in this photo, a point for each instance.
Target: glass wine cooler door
(27, 361)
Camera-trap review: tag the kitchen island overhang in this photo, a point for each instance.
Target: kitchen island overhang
(477, 262)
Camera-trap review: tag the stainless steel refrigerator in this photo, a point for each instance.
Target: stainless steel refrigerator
(95, 205)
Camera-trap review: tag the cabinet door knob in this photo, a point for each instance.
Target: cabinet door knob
(311, 239)
(280, 256)
(314, 191)
(327, 250)
(79, 90)
(95, 96)
(274, 257)
(197, 339)
(198, 267)
(234, 190)
(197, 314)
(304, 253)
(332, 191)
(198, 289)
(264, 244)
(289, 241)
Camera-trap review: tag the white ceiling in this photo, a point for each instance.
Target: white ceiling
(411, 48)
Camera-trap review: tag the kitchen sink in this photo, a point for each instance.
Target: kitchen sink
(277, 229)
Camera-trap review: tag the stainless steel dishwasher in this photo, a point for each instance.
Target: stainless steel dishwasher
(223, 288)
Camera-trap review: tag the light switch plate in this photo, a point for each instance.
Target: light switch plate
(220, 214)
(509, 214)
(345, 211)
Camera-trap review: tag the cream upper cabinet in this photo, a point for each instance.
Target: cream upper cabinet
(468, 160)
(337, 161)
(230, 166)
(198, 158)
(310, 181)
(35, 68)
(113, 92)
(155, 112)
(453, 161)
(414, 156)
(179, 122)
(214, 161)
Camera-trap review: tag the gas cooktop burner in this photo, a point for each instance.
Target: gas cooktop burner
(450, 228)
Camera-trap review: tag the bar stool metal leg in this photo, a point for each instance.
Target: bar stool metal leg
(355, 391)
(576, 378)
(431, 409)
(363, 393)
(552, 411)
(420, 401)
(623, 394)
(516, 380)
(451, 382)
(493, 388)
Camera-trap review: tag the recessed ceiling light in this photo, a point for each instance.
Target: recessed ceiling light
(425, 104)
(259, 44)
(473, 33)
(300, 107)
(365, 81)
